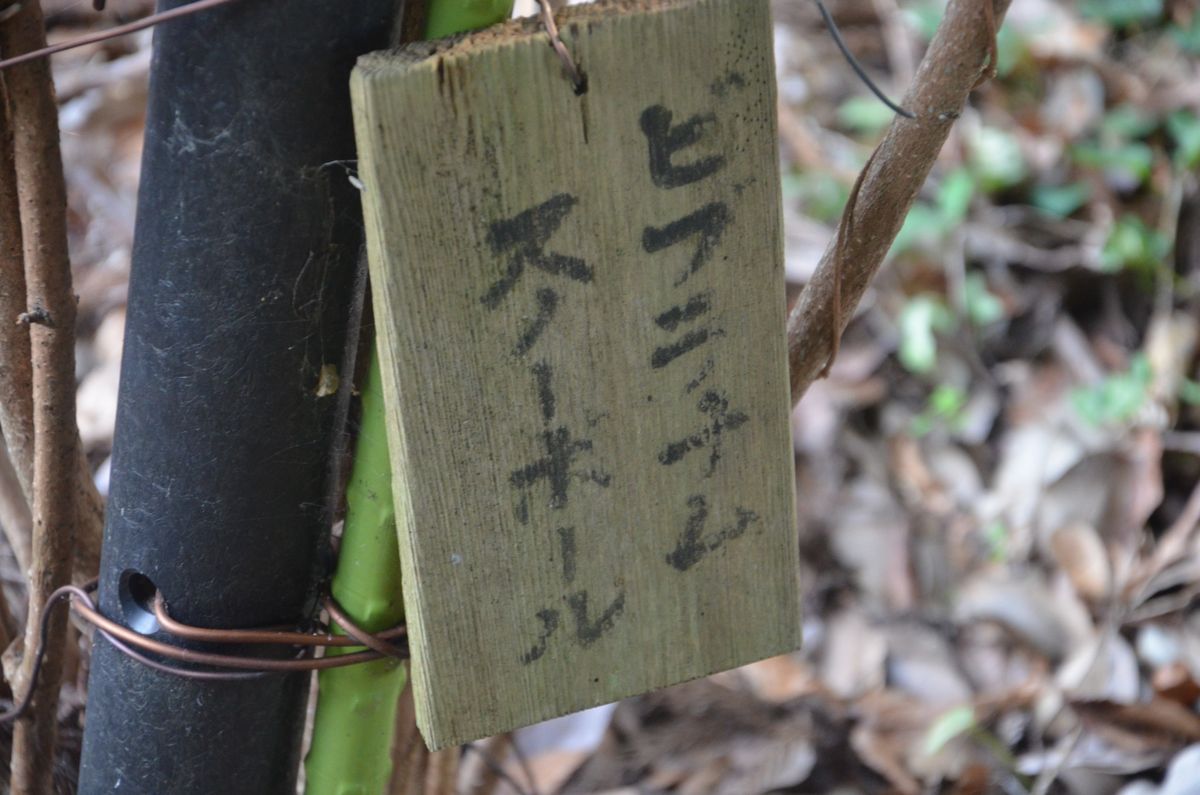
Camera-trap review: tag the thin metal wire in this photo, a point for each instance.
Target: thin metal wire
(374, 642)
(268, 636)
(21, 706)
(228, 667)
(857, 67)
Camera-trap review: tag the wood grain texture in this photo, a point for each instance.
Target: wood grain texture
(580, 313)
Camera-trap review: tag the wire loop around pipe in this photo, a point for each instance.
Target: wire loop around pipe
(216, 666)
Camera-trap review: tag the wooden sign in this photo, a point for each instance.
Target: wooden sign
(580, 311)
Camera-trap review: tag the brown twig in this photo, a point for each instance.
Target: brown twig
(43, 206)
(16, 378)
(14, 513)
(961, 55)
(16, 381)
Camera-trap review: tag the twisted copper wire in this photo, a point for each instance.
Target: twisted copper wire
(391, 643)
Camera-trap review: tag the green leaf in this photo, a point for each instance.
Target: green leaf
(1188, 38)
(1013, 49)
(950, 726)
(1189, 392)
(1123, 13)
(1184, 129)
(947, 402)
(1126, 164)
(983, 307)
(996, 158)
(925, 18)
(820, 194)
(923, 226)
(1061, 201)
(954, 196)
(1118, 398)
(1128, 122)
(920, 319)
(996, 536)
(864, 114)
(1132, 245)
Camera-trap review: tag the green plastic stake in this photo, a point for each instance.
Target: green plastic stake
(352, 735)
(447, 17)
(356, 711)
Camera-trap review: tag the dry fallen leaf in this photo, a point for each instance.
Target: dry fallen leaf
(1080, 553)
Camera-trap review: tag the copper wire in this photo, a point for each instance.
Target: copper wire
(376, 643)
(91, 614)
(391, 643)
(282, 637)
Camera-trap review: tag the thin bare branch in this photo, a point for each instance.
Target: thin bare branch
(958, 56)
(51, 305)
(15, 516)
(16, 379)
(16, 383)
(14, 512)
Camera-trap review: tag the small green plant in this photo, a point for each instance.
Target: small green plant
(821, 195)
(1189, 392)
(982, 306)
(961, 722)
(928, 223)
(1126, 164)
(950, 726)
(864, 115)
(1133, 246)
(943, 409)
(1061, 201)
(1127, 122)
(1118, 398)
(1118, 149)
(1184, 128)
(920, 321)
(1188, 38)
(996, 536)
(996, 159)
(1123, 13)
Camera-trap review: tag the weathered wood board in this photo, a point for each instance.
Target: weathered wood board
(580, 310)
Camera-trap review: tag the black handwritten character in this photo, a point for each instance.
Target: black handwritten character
(588, 630)
(566, 544)
(707, 224)
(693, 546)
(665, 140)
(720, 419)
(549, 620)
(556, 466)
(523, 240)
(671, 320)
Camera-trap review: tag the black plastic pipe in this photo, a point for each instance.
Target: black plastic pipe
(248, 234)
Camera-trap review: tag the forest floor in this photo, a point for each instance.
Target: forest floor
(998, 486)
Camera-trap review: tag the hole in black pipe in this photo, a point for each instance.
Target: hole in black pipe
(137, 592)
